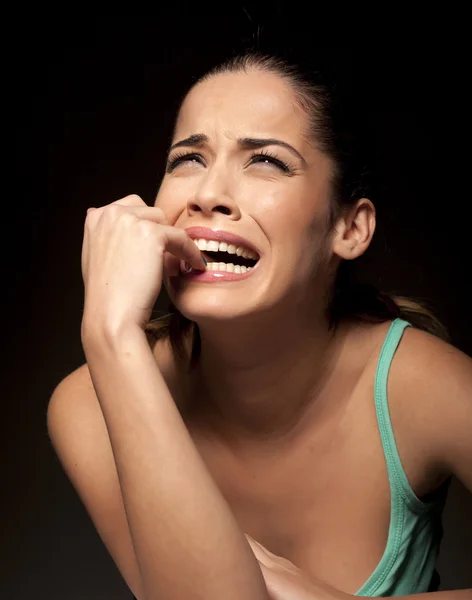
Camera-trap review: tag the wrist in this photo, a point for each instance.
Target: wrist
(109, 338)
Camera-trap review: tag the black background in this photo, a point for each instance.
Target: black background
(94, 100)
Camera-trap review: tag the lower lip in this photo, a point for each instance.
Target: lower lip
(215, 276)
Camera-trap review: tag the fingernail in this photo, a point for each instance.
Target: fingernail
(204, 260)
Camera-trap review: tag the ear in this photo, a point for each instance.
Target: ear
(354, 229)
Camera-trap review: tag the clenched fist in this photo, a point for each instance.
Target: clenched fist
(122, 262)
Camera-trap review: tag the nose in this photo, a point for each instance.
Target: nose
(212, 196)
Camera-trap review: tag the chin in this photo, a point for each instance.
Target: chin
(209, 308)
(207, 303)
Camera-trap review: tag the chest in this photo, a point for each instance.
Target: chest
(324, 504)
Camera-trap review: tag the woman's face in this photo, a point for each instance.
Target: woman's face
(274, 193)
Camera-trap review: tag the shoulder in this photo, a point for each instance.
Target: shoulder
(79, 380)
(430, 384)
(432, 368)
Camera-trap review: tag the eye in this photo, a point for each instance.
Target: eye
(265, 156)
(177, 159)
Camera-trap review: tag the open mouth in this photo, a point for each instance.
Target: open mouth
(224, 257)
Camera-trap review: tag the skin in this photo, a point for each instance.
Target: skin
(270, 373)
(243, 386)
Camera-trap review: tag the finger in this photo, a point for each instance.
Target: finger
(180, 244)
(272, 584)
(257, 544)
(174, 239)
(259, 551)
(131, 200)
(149, 213)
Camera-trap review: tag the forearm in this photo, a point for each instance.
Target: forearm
(186, 539)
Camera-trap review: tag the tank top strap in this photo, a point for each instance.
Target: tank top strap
(396, 474)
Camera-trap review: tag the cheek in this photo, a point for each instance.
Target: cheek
(298, 228)
(274, 202)
(171, 202)
(293, 212)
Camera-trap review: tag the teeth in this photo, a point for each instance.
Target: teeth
(215, 246)
(212, 246)
(229, 267)
(220, 266)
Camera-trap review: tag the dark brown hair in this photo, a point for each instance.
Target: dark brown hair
(330, 125)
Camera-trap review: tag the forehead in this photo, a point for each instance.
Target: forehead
(243, 104)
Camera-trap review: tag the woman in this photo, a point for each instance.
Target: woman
(249, 445)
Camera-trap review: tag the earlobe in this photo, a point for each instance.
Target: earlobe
(354, 230)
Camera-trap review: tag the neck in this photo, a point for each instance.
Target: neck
(259, 383)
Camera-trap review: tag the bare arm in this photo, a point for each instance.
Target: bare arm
(439, 388)
(186, 540)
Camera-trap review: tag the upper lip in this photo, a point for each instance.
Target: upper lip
(221, 236)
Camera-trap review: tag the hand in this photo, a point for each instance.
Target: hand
(285, 581)
(122, 262)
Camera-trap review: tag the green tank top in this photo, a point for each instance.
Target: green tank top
(408, 563)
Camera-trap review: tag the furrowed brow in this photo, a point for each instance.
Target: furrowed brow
(192, 140)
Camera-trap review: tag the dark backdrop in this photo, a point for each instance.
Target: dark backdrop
(94, 101)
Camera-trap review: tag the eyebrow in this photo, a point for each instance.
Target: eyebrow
(197, 139)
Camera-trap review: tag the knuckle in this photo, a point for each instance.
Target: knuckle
(113, 210)
(146, 228)
(92, 217)
(160, 214)
(131, 200)
(127, 218)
